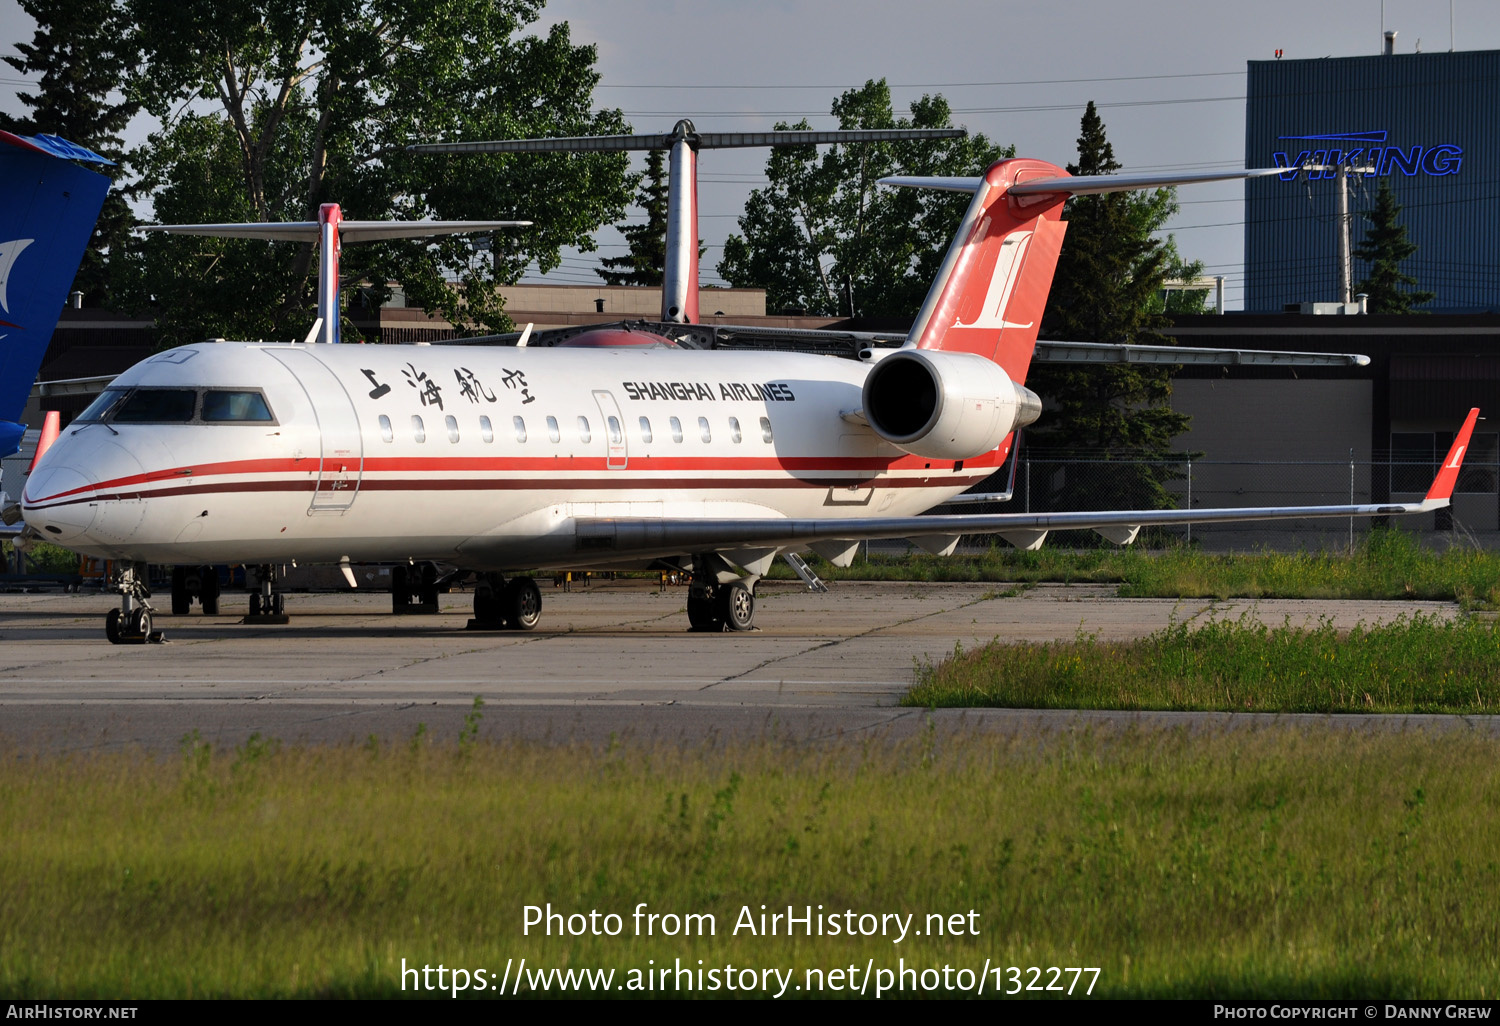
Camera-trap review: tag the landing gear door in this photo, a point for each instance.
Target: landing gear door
(341, 457)
(614, 430)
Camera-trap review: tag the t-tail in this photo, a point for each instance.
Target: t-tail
(330, 231)
(956, 390)
(48, 207)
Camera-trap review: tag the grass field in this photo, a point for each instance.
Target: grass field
(1258, 863)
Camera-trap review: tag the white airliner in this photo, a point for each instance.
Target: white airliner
(503, 460)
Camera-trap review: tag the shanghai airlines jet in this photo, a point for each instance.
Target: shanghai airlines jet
(500, 460)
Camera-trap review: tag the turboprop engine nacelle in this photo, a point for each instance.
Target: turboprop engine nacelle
(945, 405)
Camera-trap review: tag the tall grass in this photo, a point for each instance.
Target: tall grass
(1422, 664)
(1266, 863)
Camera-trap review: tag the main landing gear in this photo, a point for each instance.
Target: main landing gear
(195, 582)
(718, 600)
(498, 604)
(131, 623)
(267, 605)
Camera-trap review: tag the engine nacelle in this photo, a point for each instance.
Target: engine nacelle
(945, 405)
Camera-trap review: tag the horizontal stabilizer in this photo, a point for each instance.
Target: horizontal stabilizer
(698, 140)
(351, 231)
(54, 146)
(1084, 185)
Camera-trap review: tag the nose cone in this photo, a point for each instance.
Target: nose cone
(59, 502)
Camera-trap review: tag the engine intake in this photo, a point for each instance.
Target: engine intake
(945, 405)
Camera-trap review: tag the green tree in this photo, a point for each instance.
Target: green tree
(822, 238)
(269, 110)
(646, 262)
(1106, 289)
(1384, 247)
(81, 54)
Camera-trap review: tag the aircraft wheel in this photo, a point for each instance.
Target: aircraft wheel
(278, 604)
(182, 599)
(737, 606)
(208, 593)
(523, 604)
(487, 604)
(112, 626)
(140, 621)
(255, 604)
(400, 593)
(703, 614)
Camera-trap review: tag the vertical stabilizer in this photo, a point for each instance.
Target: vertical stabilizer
(48, 206)
(991, 290)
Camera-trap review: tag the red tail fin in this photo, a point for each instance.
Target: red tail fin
(989, 294)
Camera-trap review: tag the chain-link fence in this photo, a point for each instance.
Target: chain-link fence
(1046, 484)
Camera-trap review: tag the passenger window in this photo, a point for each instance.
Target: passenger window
(385, 429)
(703, 431)
(734, 430)
(419, 432)
(224, 406)
(520, 425)
(614, 430)
(157, 406)
(451, 423)
(584, 434)
(485, 430)
(765, 429)
(676, 430)
(645, 429)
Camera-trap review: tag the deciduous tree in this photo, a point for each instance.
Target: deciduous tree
(822, 238)
(270, 109)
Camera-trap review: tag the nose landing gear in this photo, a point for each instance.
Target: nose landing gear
(267, 606)
(130, 624)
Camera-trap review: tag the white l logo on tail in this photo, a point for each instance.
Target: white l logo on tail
(1458, 457)
(1002, 282)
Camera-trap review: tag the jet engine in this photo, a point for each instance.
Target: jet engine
(945, 405)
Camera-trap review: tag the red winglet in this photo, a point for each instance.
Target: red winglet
(1447, 477)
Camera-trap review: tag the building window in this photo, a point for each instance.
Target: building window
(385, 429)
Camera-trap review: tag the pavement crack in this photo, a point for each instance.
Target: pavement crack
(832, 642)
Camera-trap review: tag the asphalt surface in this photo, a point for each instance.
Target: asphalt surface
(613, 659)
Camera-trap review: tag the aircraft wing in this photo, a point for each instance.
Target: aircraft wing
(668, 537)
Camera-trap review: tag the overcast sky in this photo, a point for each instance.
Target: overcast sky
(1169, 77)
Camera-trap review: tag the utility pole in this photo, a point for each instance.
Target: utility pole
(1344, 227)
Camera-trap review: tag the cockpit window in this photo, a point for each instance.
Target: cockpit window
(157, 406)
(220, 405)
(100, 407)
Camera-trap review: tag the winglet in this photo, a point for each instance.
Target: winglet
(1447, 477)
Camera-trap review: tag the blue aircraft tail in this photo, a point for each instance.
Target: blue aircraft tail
(48, 207)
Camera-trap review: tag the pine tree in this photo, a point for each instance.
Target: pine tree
(646, 262)
(81, 55)
(1106, 289)
(1384, 247)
